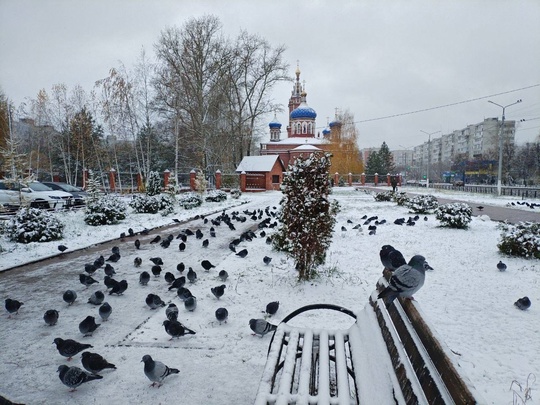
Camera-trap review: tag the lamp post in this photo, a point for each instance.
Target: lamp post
(501, 133)
(429, 154)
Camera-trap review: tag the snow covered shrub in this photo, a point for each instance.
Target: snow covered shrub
(384, 196)
(146, 204)
(307, 215)
(235, 193)
(216, 196)
(153, 185)
(423, 204)
(454, 215)
(200, 182)
(401, 198)
(33, 225)
(92, 188)
(521, 239)
(190, 200)
(106, 210)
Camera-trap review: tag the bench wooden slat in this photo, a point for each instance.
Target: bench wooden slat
(343, 392)
(324, 369)
(287, 372)
(305, 369)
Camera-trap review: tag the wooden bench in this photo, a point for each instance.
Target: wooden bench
(387, 356)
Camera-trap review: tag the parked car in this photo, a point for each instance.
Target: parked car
(35, 194)
(79, 195)
(422, 183)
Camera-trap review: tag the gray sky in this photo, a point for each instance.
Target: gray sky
(374, 58)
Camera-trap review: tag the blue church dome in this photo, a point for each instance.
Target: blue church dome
(325, 131)
(334, 123)
(303, 111)
(274, 124)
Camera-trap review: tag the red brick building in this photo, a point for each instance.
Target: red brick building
(261, 173)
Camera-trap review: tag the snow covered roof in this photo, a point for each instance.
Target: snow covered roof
(306, 147)
(263, 163)
(301, 141)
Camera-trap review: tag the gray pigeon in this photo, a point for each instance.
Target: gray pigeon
(172, 312)
(74, 376)
(51, 317)
(183, 293)
(96, 298)
(137, 262)
(207, 265)
(169, 277)
(267, 260)
(178, 282)
(87, 280)
(406, 280)
(218, 291)
(190, 303)
(69, 296)
(261, 327)
(88, 326)
(501, 266)
(175, 329)
(156, 371)
(105, 311)
(222, 315)
(191, 275)
(12, 306)
(144, 278)
(119, 287)
(523, 303)
(109, 270)
(391, 258)
(154, 301)
(69, 347)
(94, 362)
(272, 308)
(223, 275)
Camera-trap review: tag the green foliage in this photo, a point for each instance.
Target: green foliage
(401, 199)
(454, 215)
(216, 196)
(307, 215)
(33, 225)
(423, 204)
(381, 161)
(153, 184)
(142, 203)
(106, 210)
(384, 196)
(190, 200)
(235, 193)
(521, 239)
(92, 188)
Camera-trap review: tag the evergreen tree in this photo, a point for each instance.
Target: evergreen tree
(373, 164)
(153, 185)
(307, 214)
(92, 187)
(386, 160)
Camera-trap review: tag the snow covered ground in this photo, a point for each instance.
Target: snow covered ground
(466, 299)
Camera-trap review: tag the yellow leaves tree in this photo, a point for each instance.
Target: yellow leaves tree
(346, 156)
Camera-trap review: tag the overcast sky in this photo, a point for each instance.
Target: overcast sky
(374, 58)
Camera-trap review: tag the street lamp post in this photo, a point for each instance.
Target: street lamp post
(429, 154)
(501, 133)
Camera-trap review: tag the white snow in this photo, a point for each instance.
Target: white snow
(466, 300)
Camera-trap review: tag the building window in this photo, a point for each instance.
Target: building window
(275, 178)
(264, 146)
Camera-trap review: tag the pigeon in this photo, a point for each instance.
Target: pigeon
(90, 268)
(205, 243)
(51, 317)
(165, 243)
(96, 298)
(113, 258)
(222, 315)
(523, 303)
(109, 282)
(182, 236)
(69, 296)
(218, 291)
(122, 235)
(100, 261)
(109, 270)
(74, 376)
(69, 347)
(119, 287)
(268, 240)
(156, 270)
(12, 306)
(94, 362)
(190, 303)
(88, 326)
(115, 250)
(105, 311)
(157, 260)
(154, 301)
(183, 293)
(145, 231)
(175, 329)
(267, 260)
(137, 262)
(62, 248)
(480, 208)
(343, 229)
(177, 283)
(191, 275)
(261, 327)
(199, 234)
(272, 308)
(501, 266)
(156, 239)
(223, 275)
(137, 244)
(188, 232)
(131, 232)
(406, 280)
(87, 280)
(169, 277)
(172, 312)
(232, 247)
(391, 258)
(144, 278)
(207, 265)
(156, 371)
(243, 253)
(182, 246)
(181, 267)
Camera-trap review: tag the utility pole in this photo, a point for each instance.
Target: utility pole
(501, 135)
(429, 154)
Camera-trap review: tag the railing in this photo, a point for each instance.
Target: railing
(523, 192)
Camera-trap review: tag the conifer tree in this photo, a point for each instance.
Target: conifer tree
(153, 185)
(307, 214)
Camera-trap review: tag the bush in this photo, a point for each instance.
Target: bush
(33, 225)
(153, 185)
(235, 193)
(384, 196)
(423, 204)
(190, 200)
(106, 210)
(216, 196)
(401, 199)
(521, 239)
(454, 215)
(145, 204)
